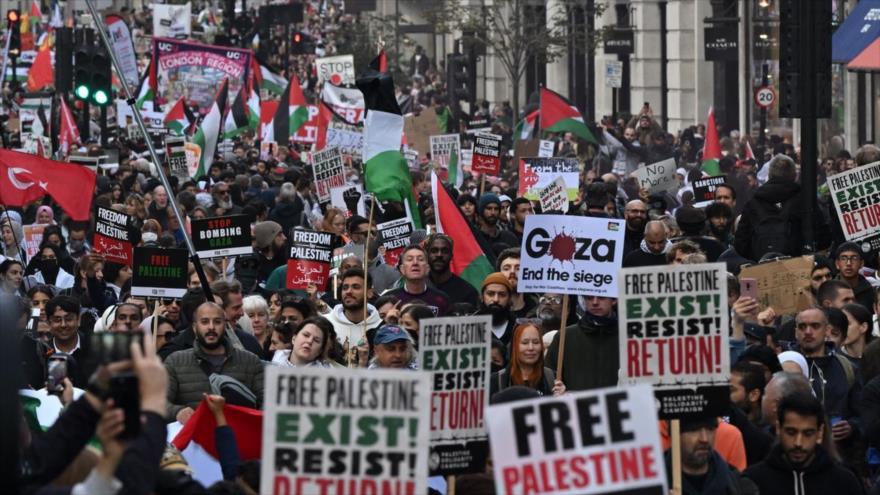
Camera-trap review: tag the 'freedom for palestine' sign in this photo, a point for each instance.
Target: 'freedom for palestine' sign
(309, 263)
(111, 236)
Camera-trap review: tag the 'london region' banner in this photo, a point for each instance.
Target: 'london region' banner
(111, 236)
(345, 431)
(571, 255)
(856, 195)
(309, 262)
(674, 335)
(159, 272)
(222, 236)
(602, 441)
(457, 353)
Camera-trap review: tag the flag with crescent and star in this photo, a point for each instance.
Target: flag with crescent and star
(25, 178)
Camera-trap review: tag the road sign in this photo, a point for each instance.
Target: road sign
(614, 74)
(765, 96)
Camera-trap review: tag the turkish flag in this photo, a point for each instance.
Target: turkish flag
(25, 178)
(41, 73)
(246, 424)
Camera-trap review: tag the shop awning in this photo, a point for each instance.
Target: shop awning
(869, 59)
(858, 31)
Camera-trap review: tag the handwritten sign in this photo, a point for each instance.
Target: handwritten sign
(554, 197)
(657, 177)
(783, 284)
(309, 261)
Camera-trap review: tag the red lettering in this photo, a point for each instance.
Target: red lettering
(511, 478)
(690, 355)
(281, 485)
(707, 354)
(648, 462)
(546, 487)
(629, 464)
(561, 475)
(848, 222)
(632, 359)
(578, 468)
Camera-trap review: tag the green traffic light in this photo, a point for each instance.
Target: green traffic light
(82, 92)
(101, 97)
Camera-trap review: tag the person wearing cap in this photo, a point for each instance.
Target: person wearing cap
(413, 266)
(393, 348)
(692, 222)
(440, 251)
(849, 260)
(495, 297)
(488, 216)
(269, 242)
(503, 218)
(703, 470)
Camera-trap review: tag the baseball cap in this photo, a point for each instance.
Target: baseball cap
(390, 333)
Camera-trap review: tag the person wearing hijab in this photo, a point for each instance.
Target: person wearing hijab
(45, 215)
(794, 362)
(12, 240)
(48, 270)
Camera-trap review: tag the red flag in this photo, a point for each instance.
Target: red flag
(35, 10)
(325, 116)
(69, 133)
(25, 178)
(41, 73)
(711, 147)
(247, 424)
(750, 155)
(380, 63)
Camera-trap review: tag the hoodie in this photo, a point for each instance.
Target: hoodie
(721, 479)
(777, 476)
(353, 332)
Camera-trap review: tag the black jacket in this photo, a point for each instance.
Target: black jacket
(756, 441)
(721, 479)
(822, 476)
(592, 356)
(869, 407)
(640, 258)
(288, 215)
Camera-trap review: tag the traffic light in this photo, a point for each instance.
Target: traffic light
(92, 81)
(101, 78)
(13, 24)
(300, 43)
(82, 75)
(457, 79)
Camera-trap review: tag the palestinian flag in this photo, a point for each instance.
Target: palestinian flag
(245, 423)
(711, 147)
(456, 174)
(209, 130)
(253, 105)
(179, 118)
(270, 81)
(445, 121)
(559, 115)
(147, 88)
(238, 119)
(291, 114)
(386, 174)
(526, 127)
(380, 63)
(470, 261)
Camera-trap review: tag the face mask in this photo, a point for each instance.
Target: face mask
(149, 237)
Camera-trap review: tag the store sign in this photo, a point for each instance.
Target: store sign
(722, 43)
(619, 42)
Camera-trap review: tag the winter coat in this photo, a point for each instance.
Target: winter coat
(822, 476)
(288, 215)
(592, 354)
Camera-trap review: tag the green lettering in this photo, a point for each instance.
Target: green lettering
(287, 427)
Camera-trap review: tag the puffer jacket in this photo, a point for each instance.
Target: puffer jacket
(188, 372)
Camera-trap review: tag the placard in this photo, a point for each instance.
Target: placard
(175, 155)
(602, 441)
(338, 70)
(345, 431)
(33, 237)
(217, 237)
(554, 197)
(457, 353)
(329, 172)
(674, 335)
(309, 261)
(783, 284)
(419, 129)
(349, 141)
(111, 236)
(172, 21)
(412, 158)
(350, 199)
(394, 236)
(159, 272)
(856, 200)
(545, 148)
(657, 177)
(537, 173)
(571, 255)
(442, 148)
(704, 190)
(486, 158)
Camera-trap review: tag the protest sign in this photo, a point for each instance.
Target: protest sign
(571, 255)
(674, 335)
(309, 261)
(123, 46)
(537, 173)
(545, 148)
(193, 153)
(345, 103)
(419, 129)
(349, 141)
(412, 158)
(111, 236)
(856, 199)
(33, 237)
(456, 351)
(443, 147)
(783, 284)
(525, 148)
(159, 272)
(657, 177)
(172, 21)
(467, 158)
(394, 236)
(476, 126)
(554, 197)
(175, 156)
(486, 156)
(338, 70)
(216, 237)
(601, 441)
(197, 70)
(345, 431)
(350, 199)
(329, 172)
(704, 190)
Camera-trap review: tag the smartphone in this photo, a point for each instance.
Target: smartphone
(748, 287)
(125, 394)
(33, 322)
(56, 372)
(109, 347)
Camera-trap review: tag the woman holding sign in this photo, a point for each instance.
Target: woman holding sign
(311, 344)
(526, 366)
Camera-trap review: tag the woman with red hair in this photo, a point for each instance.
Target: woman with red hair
(526, 366)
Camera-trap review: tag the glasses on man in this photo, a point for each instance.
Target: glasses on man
(850, 259)
(550, 300)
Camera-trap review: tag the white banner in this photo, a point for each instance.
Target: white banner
(338, 70)
(123, 45)
(172, 21)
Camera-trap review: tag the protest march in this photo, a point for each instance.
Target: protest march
(349, 247)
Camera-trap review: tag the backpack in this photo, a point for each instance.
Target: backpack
(773, 230)
(847, 369)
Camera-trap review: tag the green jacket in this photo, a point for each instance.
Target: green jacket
(592, 356)
(187, 381)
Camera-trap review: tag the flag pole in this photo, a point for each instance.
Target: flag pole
(139, 120)
(367, 263)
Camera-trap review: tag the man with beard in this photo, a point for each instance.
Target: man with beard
(440, 249)
(488, 213)
(519, 209)
(636, 215)
(652, 251)
(592, 354)
(223, 199)
(230, 295)
(822, 272)
(495, 301)
(719, 216)
(746, 391)
(211, 354)
(348, 316)
(550, 312)
(508, 263)
(703, 470)
(413, 266)
(799, 463)
(269, 240)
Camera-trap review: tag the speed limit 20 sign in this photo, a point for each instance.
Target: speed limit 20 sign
(765, 96)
